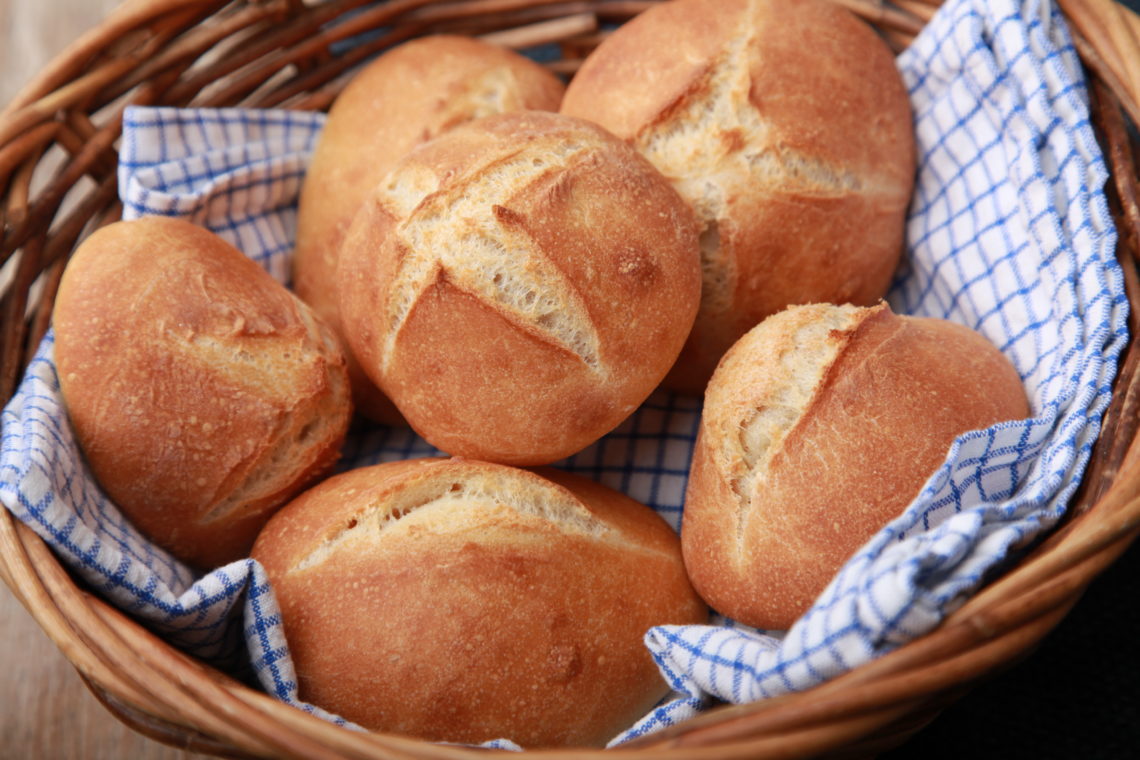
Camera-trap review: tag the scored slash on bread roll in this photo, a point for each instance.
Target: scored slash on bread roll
(461, 601)
(787, 127)
(405, 97)
(519, 285)
(819, 426)
(202, 393)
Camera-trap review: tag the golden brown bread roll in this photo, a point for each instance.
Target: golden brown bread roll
(203, 394)
(518, 285)
(405, 97)
(819, 427)
(461, 601)
(787, 126)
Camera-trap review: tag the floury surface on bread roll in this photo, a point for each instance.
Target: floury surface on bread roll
(405, 97)
(819, 427)
(461, 601)
(202, 393)
(787, 127)
(519, 285)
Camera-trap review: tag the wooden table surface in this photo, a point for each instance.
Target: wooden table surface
(45, 710)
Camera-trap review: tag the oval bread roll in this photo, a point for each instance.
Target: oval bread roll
(405, 97)
(461, 601)
(788, 128)
(519, 285)
(202, 393)
(819, 427)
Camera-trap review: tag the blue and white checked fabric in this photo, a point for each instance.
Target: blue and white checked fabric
(1009, 233)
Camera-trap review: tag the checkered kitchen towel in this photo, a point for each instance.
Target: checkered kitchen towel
(1009, 234)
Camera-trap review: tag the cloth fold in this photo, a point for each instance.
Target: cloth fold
(1009, 233)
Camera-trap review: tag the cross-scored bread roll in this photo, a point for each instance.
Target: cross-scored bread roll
(461, 601)
(819, 427)
(787, 127)
(202, 393)
(405, 97)
(518, 285)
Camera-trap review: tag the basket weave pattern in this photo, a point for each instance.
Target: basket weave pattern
(57, 172)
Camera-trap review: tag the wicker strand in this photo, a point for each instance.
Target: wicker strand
(1120, 425)
(891, 693)
(459, 21)
(320, 75)
(937, 661)
(97, 78)
(448, 11)
(15, 302)
(41, 319)
(105, 209)
(157, 693)
(18, 572)
(103, 164)
(884, 15)
(286, 34)
(1122, 419)
(311, 44)
(71, 226)
(30, 142)
(920, 10)
(44, 208)
(125, 20)
(1106, 36)
(1012, 603)
(1122, 162)
(544, 32)
(196, 42)
(165, 732)
(19, 192)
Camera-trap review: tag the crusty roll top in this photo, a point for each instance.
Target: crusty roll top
(527, 250)
(408, 95)
(462, 499)
(507, 213)
(820, 426)
(462, 601)
(202, 392)
(787, 128)
(755, 89)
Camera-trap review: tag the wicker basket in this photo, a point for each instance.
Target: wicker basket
(57, 174)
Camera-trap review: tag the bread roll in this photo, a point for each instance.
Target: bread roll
(406, 96)
(819, 427)
(519, 285)
(202, 393)
(787, 126)
(461, 601)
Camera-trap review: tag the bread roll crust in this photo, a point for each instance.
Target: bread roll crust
(462, 601)
(405, 97)
(519, 285)
(202, 393)
(787, 127)
(820, 426)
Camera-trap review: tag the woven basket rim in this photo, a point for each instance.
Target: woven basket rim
(168, 695)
